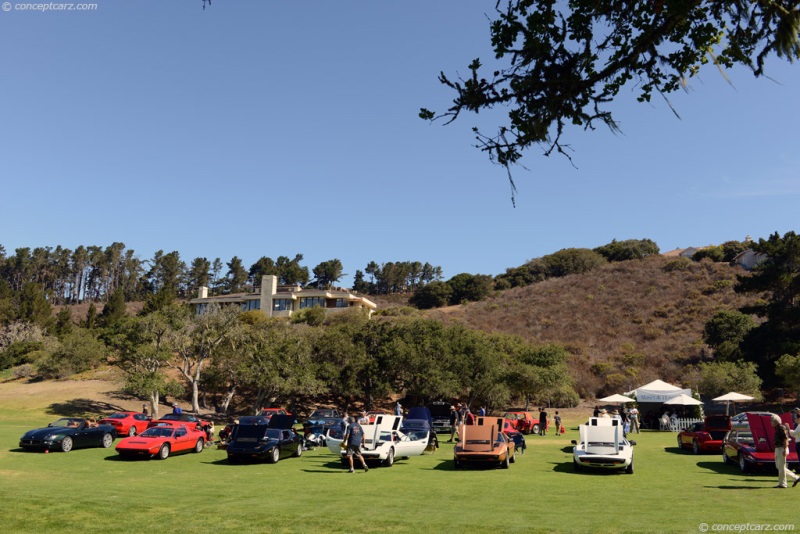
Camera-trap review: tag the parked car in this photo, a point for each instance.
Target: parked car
(127, 423)
(754, 447)
(515, 436)
(162, 440)
(319, 423)
(259, 441)
(484, 442)
(522, 421)
(68, 433)
(739, 421)
(418, 424)
(186, 419)
(706, 436)
(383, 442)
(269, 412)
(440, 412)
(602, 446)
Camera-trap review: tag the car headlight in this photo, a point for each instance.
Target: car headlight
(50, 437)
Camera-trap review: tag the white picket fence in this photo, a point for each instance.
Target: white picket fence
(676, 425)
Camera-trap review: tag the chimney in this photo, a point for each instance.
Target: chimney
(202, 293)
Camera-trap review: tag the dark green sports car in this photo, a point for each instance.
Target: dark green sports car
(68, 433)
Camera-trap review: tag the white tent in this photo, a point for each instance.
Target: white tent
(732, 397)
(617, 398)
(683, 400)
(657, 391)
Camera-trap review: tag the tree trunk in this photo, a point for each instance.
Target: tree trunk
(227, 399)
(154, 399)
(195, 396)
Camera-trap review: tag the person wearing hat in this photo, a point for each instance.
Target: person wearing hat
(781, 452)
(604, 414)
(176, 408)
(454, 420)
(364, 418)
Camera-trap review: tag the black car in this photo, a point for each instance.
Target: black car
(319, 423)
(68, 433)
(418, 424)
(258, 441)
(440, 412)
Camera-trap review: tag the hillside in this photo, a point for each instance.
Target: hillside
(624, 324)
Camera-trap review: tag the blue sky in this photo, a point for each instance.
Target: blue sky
(273, 128)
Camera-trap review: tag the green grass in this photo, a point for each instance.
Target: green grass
(91, 490)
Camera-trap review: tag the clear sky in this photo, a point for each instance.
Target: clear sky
(269, 128)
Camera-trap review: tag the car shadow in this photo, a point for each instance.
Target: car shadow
(723, 469)
(677, 450)
(118, 458)
(567, 449)
(81, 408)
(568, 467)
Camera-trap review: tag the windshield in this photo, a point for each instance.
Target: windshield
(157, 432)
(117, 416)
(322, 414)
(66, 422)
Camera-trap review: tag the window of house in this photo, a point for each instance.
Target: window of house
(281, 305)
(251, 305)
(341, 303)
(312, 302)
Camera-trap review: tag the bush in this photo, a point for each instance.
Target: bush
(78, 352)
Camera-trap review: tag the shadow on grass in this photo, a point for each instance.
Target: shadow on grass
(81, 408)
(568, 467)
(677, 450)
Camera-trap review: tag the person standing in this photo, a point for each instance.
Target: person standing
(542, 422)
(454, 420)
(398, 408)
(353, 438)
(482, 411)
(176, 408)
(633, 415)
(557, 421)
(781, 452)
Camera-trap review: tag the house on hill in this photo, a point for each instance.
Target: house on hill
(283, 301)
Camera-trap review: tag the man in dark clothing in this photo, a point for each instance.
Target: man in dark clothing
(176, 408)
(542, 422)
(454, 420)
(353, 437)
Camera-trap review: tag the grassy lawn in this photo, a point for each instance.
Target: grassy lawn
(92, 490)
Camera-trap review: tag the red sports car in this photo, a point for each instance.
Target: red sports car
(179, 418)
(706, 436)
(161, 441)
(522, 421)
(127, 423)
(755, 447)
(269, 412)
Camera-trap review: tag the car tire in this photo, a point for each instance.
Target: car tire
(505, 463)
(274, 455)
(742, 464)
(199, 446)
(576, 466)
(456, 463)
(629, 469)
(535, 429)
(163, 452)
(680, 443)
(66, 444)
(725, 458)
(131, 431)
(108, 439)
(389, 461)
(513, 456)
(695, 446)
(299, 452)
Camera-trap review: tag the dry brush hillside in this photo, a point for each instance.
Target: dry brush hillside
(623, 324)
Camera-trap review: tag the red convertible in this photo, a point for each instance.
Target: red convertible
(522, 421)
(161, 441)
(127, 423)
(754, 447)
(706, 436)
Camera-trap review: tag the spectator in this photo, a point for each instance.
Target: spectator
(455, 419)
(353, 437)
(542, 422)
(176, 408)
(633, 416)
(398, 408)
(557, 421)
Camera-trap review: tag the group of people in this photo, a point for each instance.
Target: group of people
(628, 417)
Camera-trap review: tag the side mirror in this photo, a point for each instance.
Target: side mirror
(573, 442)
(632, 443)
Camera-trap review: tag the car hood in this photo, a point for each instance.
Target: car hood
(40, 433)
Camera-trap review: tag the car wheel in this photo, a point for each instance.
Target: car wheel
(513, 456)
(132, 431)
(389, 461)
(200, 445)
(695, 447)
(725, 458)
(163, 452)
(66, 444)
(535, 429)
(108, 439)
(299, 451)
(742, 464)
(456, 463)
(680, 443)
(629, 469)
(274, 455)
(576, 466)
(505, 463)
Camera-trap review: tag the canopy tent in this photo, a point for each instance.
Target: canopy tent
(657, 391)
(732, 397)
(683, 400)
(617, 398)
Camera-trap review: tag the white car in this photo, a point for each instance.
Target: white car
(383, 441)
(602, 446)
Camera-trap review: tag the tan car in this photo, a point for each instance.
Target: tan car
(484, 443)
